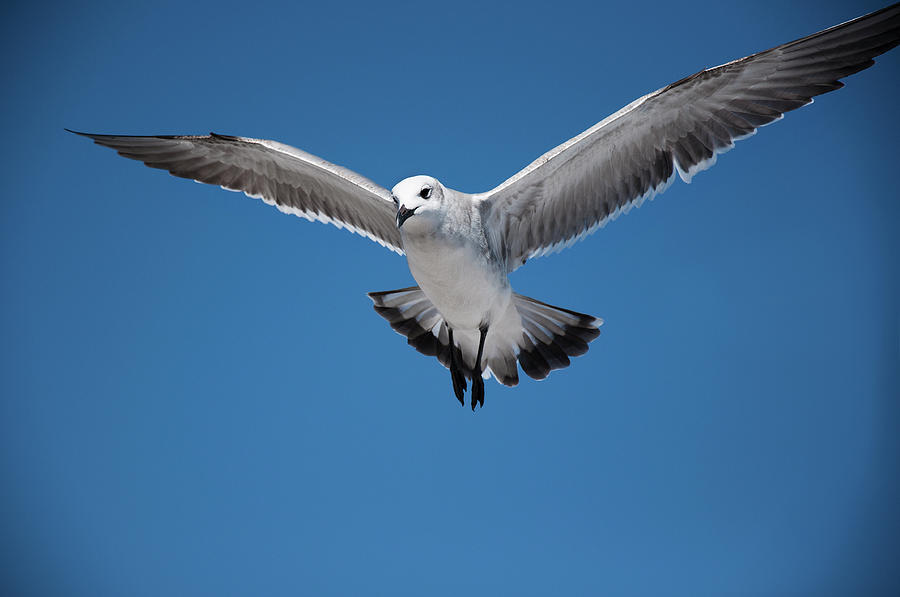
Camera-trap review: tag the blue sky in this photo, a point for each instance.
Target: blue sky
(197, 398)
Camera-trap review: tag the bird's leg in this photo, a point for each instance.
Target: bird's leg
(477, 380)
(456, 374)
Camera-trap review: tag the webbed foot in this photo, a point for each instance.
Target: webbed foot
(456, 374)
(459, 382)
(477, 390)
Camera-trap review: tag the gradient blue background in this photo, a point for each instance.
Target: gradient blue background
(199, 400)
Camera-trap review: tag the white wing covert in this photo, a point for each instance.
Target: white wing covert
(292, 180)
(630, 156)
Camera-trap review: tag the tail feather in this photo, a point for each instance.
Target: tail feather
(538, 337)
(551, 335)
(411, 314)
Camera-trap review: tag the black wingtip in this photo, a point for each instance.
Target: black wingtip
(95, 137)
(224, 137)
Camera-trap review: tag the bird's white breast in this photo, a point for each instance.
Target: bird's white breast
(467, 289)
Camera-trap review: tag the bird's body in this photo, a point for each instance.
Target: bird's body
(461, 248)
(463, 279)
(454, 262)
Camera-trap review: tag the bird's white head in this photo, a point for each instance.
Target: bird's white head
(420, 203)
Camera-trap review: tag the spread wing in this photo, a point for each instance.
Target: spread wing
(290, 179)
(577, 187)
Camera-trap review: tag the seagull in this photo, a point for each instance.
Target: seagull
(461, 247)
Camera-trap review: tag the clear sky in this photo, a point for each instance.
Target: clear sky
(197, 398)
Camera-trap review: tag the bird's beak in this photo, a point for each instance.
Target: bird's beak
(404, 214)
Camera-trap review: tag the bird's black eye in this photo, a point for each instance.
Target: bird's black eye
(425, 193)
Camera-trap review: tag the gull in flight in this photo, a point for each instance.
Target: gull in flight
(461, 248)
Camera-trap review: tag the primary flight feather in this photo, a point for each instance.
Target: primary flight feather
(461, 247)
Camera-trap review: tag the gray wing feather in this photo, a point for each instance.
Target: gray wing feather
(290, 179)
(634, 154)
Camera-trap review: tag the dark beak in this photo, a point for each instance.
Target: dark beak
(404, 214)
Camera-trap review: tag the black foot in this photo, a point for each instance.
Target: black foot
(477, 390)
(459, 383)
(477, 380)
(456, 374)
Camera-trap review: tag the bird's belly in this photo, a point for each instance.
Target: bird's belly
(466, 289)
